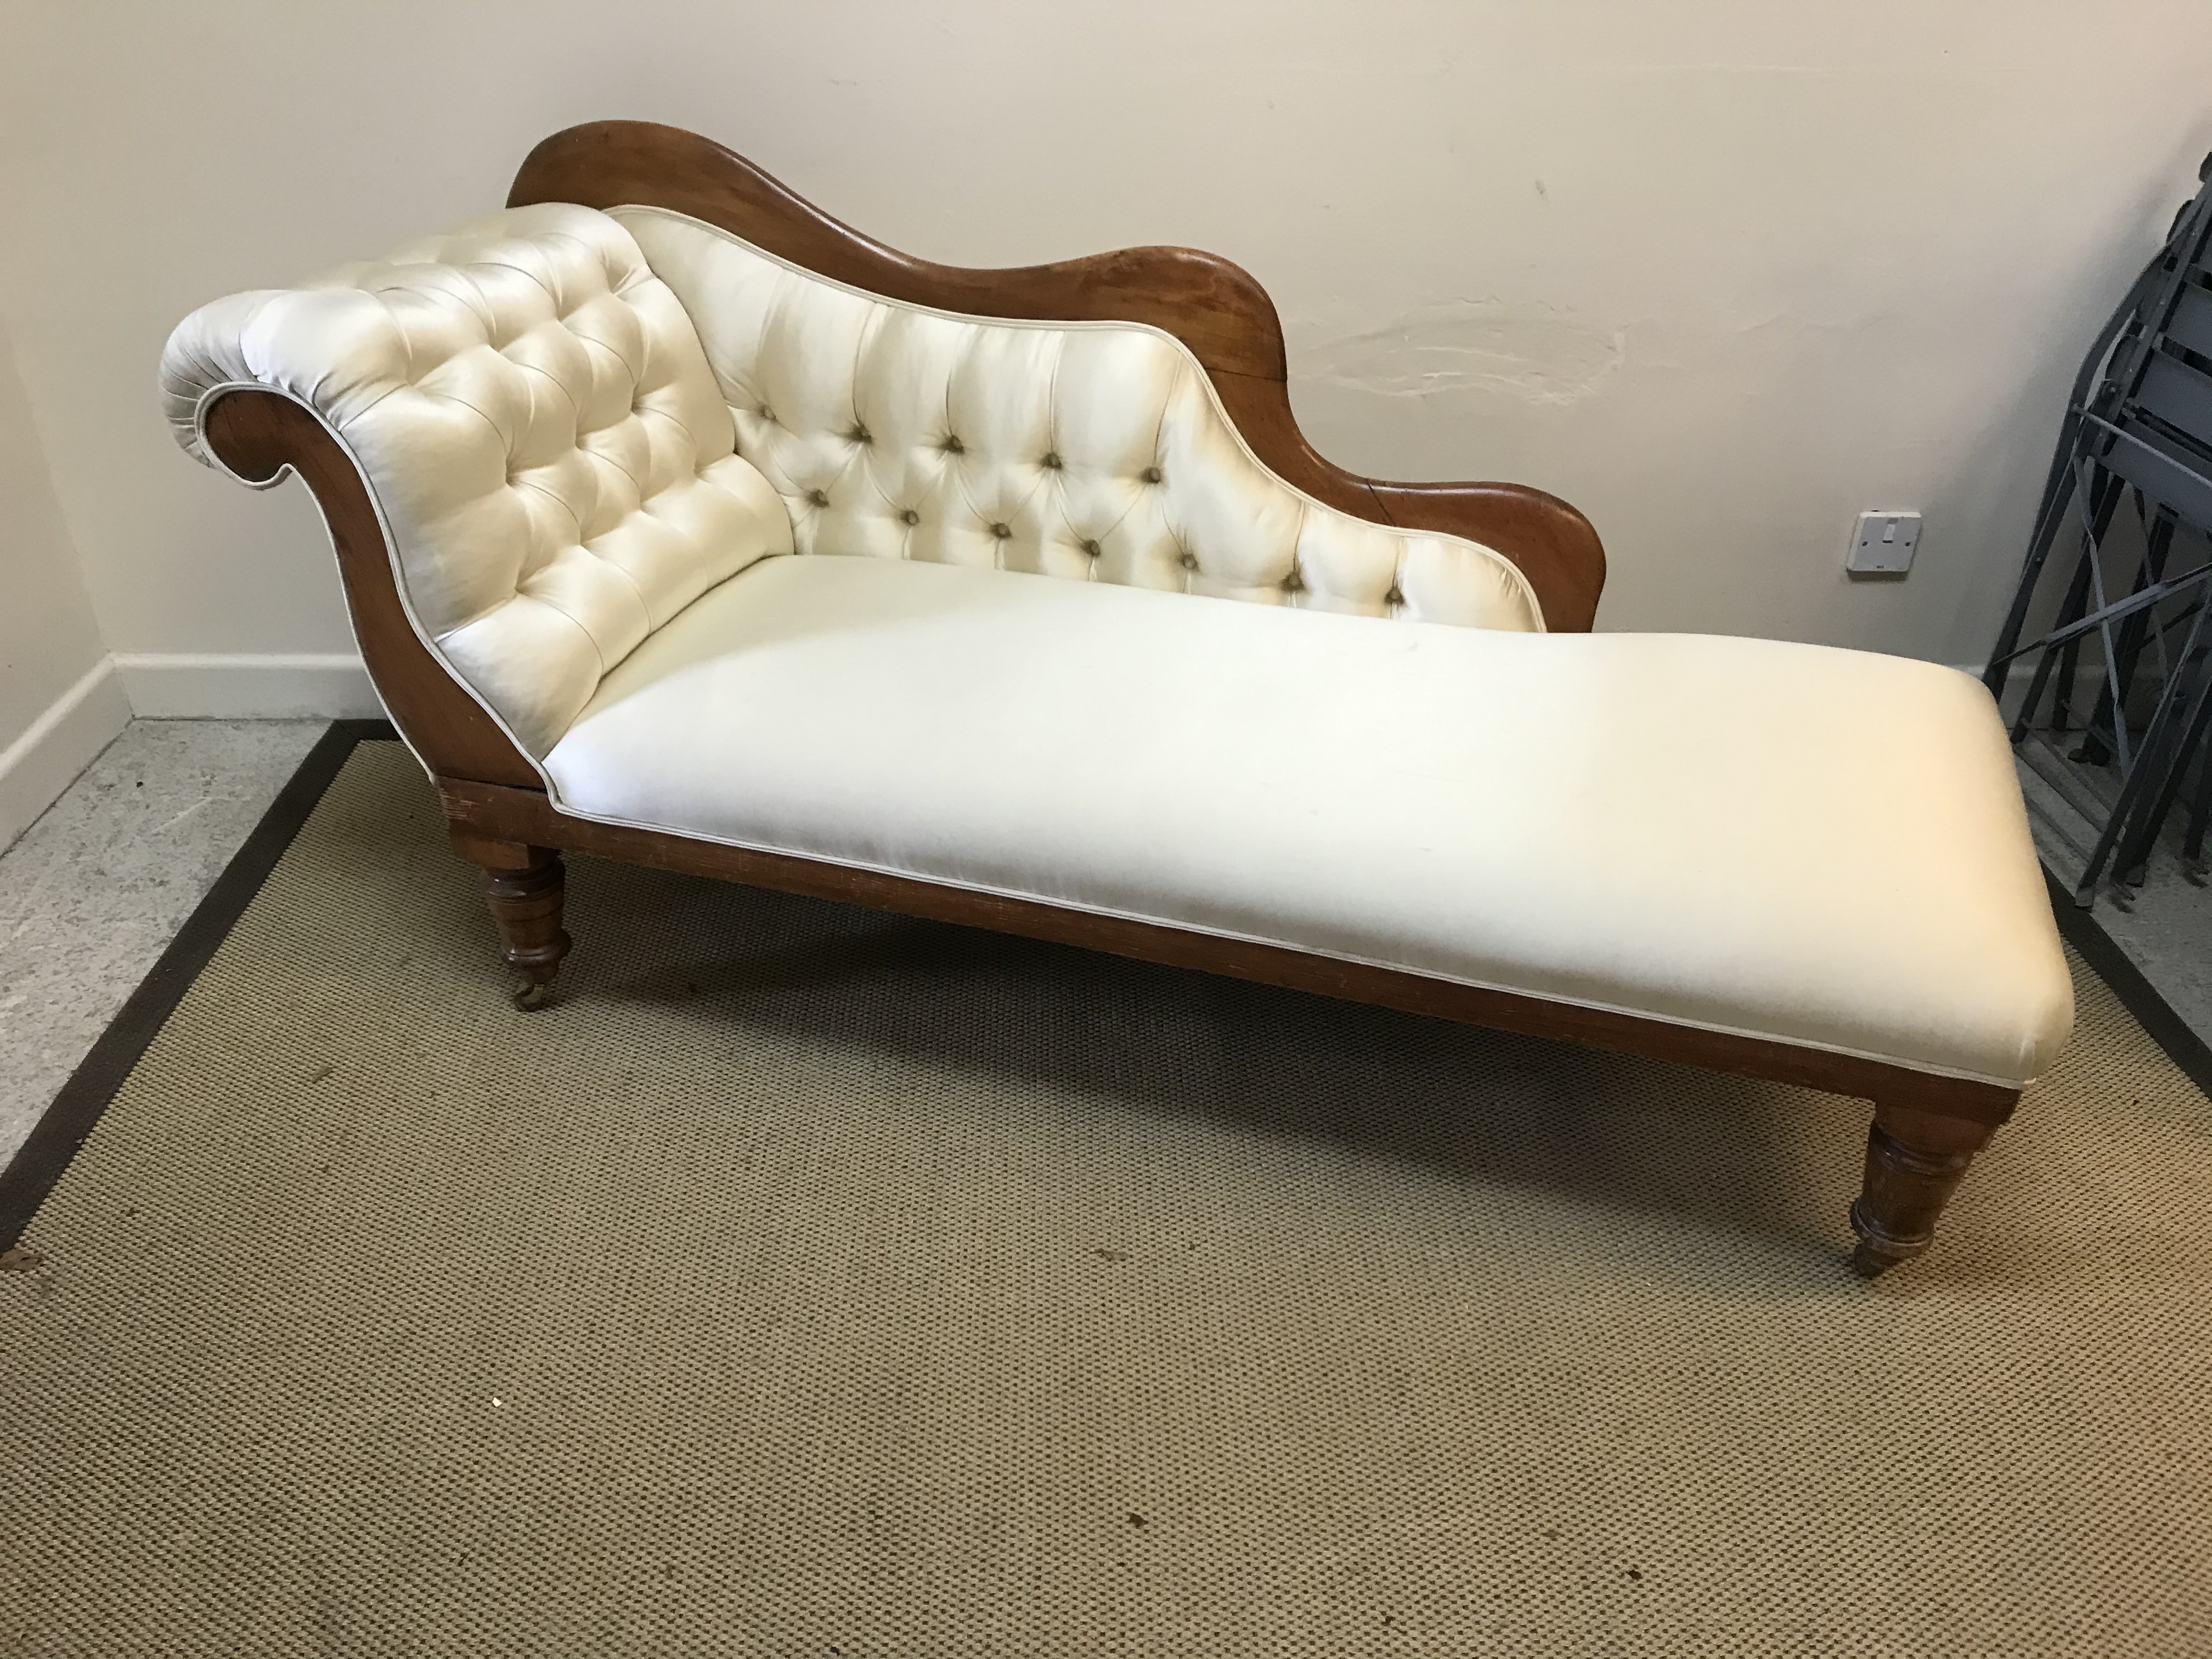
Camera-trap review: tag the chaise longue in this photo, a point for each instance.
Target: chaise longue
(680, 523)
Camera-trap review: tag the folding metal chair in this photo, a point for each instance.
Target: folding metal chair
(2137, 431)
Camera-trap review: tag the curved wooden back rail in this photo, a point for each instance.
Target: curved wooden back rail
(257, 434)
(1927, 1129)
(1212, 307)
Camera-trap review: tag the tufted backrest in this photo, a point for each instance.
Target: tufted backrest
(1096, 450)
(573, 424)
(537, 426)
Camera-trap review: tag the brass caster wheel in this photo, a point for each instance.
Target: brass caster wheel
(1875, 1255)
(1867, 1263)
(531, 995)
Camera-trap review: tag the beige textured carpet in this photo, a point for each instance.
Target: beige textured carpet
(815, 1282)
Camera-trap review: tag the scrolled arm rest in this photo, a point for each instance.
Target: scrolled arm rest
(258, 435)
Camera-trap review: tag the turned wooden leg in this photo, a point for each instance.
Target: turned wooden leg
(1914, 1160)
(524, 887)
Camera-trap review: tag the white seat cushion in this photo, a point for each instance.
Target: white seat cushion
(1785, 841)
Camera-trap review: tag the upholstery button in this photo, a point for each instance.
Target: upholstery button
(909, 517)
(817, 497)
(1001, 532)
(1293, 582)
(861, 434)
(954, 446)
(1393, 597)
(1190, 561)
(1150, 475)
(766, 413)
(1091, 548)
(1051, 462)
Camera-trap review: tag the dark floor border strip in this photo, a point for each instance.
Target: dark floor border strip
(2136, 994)
(54, 1138)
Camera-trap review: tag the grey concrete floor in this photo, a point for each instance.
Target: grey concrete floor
(92, 892)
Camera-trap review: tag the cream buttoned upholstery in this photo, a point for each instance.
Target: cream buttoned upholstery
(1095, 451)
(561, 472)
(538, 429)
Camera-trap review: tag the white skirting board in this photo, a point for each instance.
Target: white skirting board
(61, 742)
(205, 686)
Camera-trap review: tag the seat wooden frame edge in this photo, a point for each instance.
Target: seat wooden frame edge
(493, 812)
(1927, 1127)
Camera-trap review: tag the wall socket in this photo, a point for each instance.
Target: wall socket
(1884, 544)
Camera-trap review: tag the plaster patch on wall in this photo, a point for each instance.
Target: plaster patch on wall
(1536, 353)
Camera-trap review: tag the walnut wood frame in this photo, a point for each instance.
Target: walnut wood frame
(1927, 1127)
